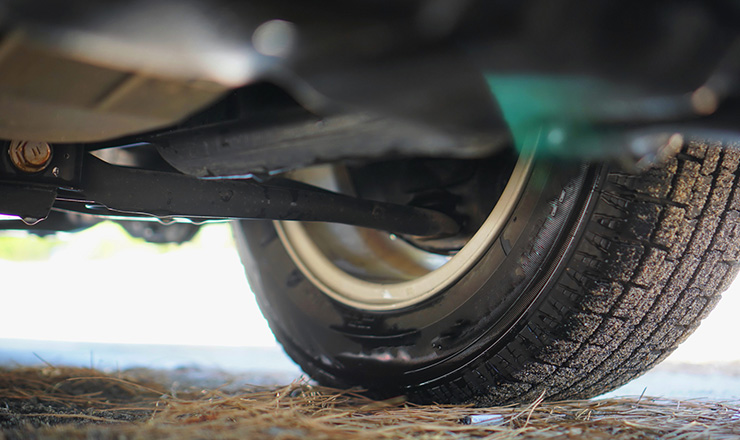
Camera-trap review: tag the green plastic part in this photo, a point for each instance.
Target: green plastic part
(553, 115)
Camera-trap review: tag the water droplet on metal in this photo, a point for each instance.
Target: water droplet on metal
(30, 221)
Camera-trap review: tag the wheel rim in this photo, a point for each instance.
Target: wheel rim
(373, 270)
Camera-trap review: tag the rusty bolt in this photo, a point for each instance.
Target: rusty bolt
(30, 156)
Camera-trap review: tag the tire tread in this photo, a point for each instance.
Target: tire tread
(657, 253)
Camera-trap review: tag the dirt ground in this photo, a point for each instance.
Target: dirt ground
(59, 403)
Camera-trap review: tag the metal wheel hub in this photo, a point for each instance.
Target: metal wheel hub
(374, 270)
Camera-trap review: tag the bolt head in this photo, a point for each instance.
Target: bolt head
(30, 156)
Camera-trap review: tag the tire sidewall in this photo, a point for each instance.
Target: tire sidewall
(394, 350)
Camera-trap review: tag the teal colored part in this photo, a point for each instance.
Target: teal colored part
(547, 112)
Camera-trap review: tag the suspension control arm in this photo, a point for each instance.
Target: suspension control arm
(165, 194)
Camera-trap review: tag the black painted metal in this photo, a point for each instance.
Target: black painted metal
(56, 221)
(30, 202)
(235, 148)
(30, 196)
(161, 194)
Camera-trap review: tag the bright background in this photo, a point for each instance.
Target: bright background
(101, 286)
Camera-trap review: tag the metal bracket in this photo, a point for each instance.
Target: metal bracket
(31, 203)
(30, 195)
(63, 170)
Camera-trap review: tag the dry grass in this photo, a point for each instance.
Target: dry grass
(78, 403)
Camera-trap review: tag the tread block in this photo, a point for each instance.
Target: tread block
(681, 304)
(681, 276)
(643, 331)
(734, 201)
(682, 238)
(720, 194)
(667, 302)
(673, 218)
(717, 277)
(534, 372)
(664, 337)
(685, 181)
(652, 268)
(732, 270)
(691, 307)
(502, 392)
(708, 307)
(700, 193)
(634, 303)
(711, 158)
(581, 326)
(644, 221)
(558, 352)
(727, 234)
(587, 357)
(602, 296)
(731, 157)
(703, 235)
(611, 332)
(696, 149)
(622, 261)
(703, 279)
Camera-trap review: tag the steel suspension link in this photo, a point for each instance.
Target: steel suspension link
(165, 194)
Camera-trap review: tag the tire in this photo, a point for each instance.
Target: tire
(595, 275)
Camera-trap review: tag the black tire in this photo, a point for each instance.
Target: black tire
(597, 275)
